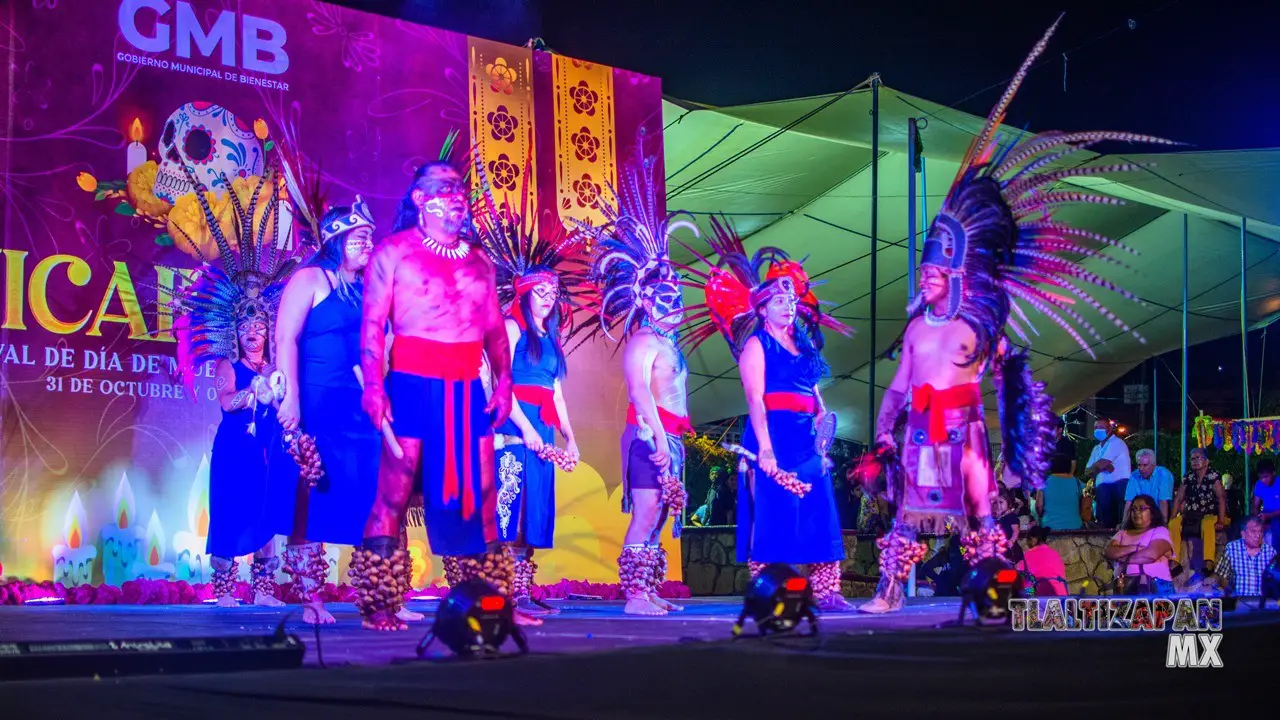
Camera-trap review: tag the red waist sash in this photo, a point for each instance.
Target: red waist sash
(928, 399)
(435, 359)
(450, 362)
(672, 423)
(544, 398)
(791, 402)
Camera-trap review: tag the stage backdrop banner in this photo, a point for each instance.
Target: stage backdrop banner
(104, 475)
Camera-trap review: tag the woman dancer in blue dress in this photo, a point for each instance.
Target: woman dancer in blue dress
(537, 280)
(226, 316)
(325, 429)
(786, 501)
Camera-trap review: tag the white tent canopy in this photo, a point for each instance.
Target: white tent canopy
(797, 174)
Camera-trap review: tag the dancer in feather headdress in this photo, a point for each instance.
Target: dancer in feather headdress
(539, 278)
(438, 293)
(639, 297)
(226, 316)
(764, 306)
(994, 246)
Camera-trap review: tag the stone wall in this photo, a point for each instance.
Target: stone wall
(711, 566)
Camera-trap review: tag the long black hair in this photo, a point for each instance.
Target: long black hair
(533, 341)
(330, 253)
(407, 214)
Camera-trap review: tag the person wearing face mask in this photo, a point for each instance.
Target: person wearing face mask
(438, 293)
(1109, 468)
(538, 286)
(225, 316)
(639, 296)
(318, 344)
(787, 510)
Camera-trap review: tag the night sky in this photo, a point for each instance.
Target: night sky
(1206, 74)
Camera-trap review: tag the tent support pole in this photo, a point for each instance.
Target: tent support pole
(1186, 287)
(875, 247)
(912, 159)
(1244, 336)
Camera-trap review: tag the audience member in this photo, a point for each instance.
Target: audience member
(1150, 479)
(1245, 561)
(1109, 468)
(1142, 549)
(1047, 573)
(1266, 499)
(1058, 504)
(1201, 500)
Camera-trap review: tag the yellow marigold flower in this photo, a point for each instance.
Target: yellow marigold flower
(87, 182)
(138, 189)
(190, 229)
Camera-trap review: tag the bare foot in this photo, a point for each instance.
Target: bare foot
(529, 606)
(228, 601)
(525, 619)
(664, 604)
(834, 603)
(642, 606)
(408, 615)
(266, 600)
(877, 606)
(383, 621)
(314, 613)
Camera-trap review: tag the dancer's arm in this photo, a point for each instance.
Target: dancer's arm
(531, 438)
(895, 396)
(230, 397)
(566, 429)
(378, 286)
(295, 306)
(751, 368)
(498, 347)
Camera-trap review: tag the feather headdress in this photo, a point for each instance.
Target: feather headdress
(998, 240)
(631, 262)
(522, 258)
(735, 284)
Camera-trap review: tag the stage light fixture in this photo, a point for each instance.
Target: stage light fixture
(987, 589)
(777, 600)
(474, 620)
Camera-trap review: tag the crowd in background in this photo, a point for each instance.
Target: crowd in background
(1193, 533)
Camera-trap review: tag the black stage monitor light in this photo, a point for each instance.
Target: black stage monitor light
(474, 620)
(777, 600)
(987, 589)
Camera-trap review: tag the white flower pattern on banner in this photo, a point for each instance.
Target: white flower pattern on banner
(359, 48)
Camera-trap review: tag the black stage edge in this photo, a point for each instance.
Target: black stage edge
(938, 672)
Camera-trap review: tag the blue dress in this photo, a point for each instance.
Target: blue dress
(775, 526)
(526, 484)
(241, 512)
(349, 445)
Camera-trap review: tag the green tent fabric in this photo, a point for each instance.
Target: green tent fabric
(797, 174)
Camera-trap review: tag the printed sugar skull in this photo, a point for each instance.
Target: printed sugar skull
(212, 142)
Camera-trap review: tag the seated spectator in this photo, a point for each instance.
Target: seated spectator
(1150, 479)
(1058, 504)
(1245, 561)
(1044, 566)
(1201, 507)
(1142, 549)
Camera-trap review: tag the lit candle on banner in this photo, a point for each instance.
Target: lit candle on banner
(150, 565)
(121, 541)
(136, 153)
(189, 545)
(73, 559)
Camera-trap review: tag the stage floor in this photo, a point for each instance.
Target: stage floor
(592, 661)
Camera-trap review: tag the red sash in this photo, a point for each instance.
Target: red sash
(672, 423)
(450, 362)
(804, 403)
(927, 398)
(544, 398)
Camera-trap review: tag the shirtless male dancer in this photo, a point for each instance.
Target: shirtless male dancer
(438, 292)
(634, 275)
